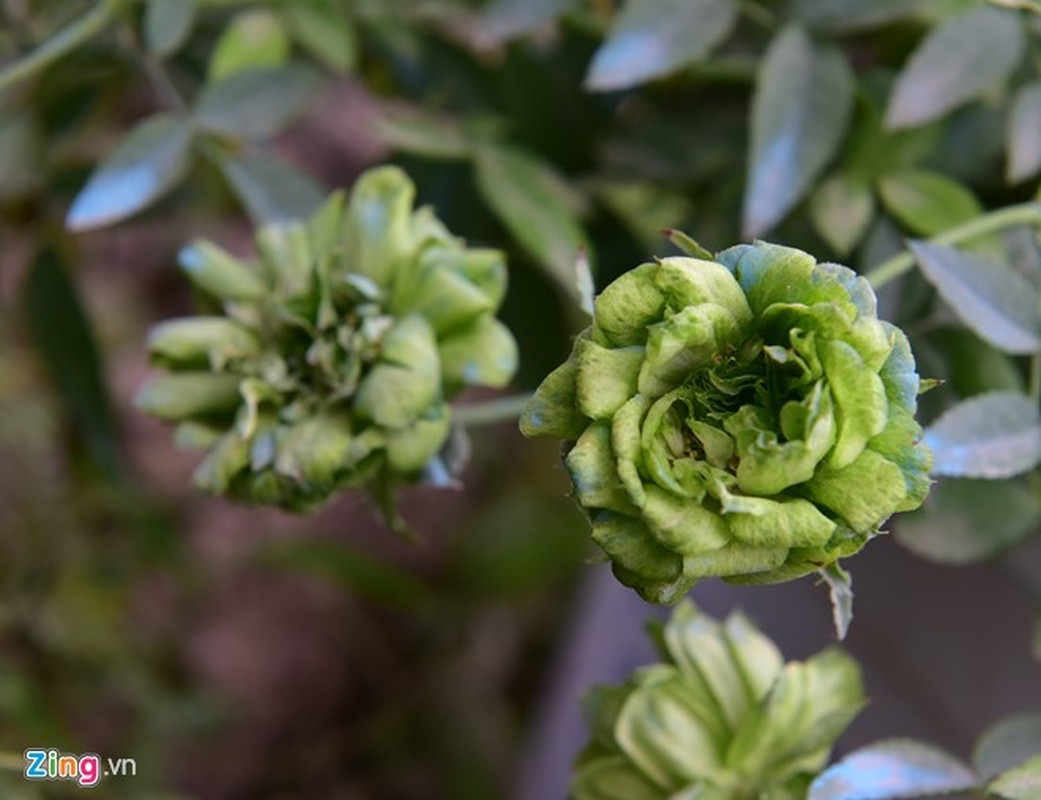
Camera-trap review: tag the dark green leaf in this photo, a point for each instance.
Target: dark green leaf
(272, 190)
(1024, 134)
(324, 29)
(993, 435)
(957, 62)
(849, 15)
(167, 25)
(1006, 744)
(997, 302)
(965, 521)
(19, 154)
(927, 203)
(652, 38)
(1021, 783)
(253, 39)
(505, 19)
(255, 104)
(841, 209)
(892, 769)
(803, 98)
(536, 206)
(146, 164)
(65, 339)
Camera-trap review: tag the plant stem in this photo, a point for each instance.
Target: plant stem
(61, 43)
(490, 412)
(1008, 217)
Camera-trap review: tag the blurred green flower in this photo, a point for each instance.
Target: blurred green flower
(748, 417)
(337, 353)
(724, 719)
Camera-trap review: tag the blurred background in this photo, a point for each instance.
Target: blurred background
(245, 653)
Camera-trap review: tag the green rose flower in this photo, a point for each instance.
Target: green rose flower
(723, 719)
(749, 418)
(338, 350)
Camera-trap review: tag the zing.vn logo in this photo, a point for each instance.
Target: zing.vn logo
(50, 765)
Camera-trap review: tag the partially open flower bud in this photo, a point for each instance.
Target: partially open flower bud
(340, 347)
(724, 718)
(749, 418)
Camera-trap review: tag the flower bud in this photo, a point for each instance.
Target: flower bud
(724, 717)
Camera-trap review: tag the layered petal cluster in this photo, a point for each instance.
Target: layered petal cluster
(724, 718)
(747, 417)
(336, 351)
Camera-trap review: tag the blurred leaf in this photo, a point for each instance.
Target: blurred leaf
(355, 572)
(424, 135)
(506, 19)
(167, 25)
(849, 15)
(957, 62)
(1006, 744)
(536, 206)
(584, 285)
(255, 104)
(645, 208)
(271, 189)
(1029, 5)
(325, 31)
(840, 590)
(19, 154)
(841, 209)
(254, 39)
(965, 521)
(803, 98)
(65, 339)
(993, 435)
(145, 165)
(652, 38)
(1024, 134)
(927, 203)
(1021, 783)
(894, 768)
(993, 299)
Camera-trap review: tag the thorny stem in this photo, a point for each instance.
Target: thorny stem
(489, 412)
(1008, 217)
(62, 43)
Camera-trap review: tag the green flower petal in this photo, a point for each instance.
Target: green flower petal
(594, 474)
(411, 449)
(683, 527)
(734, 559)
(782, 522)
(191, 342)
(683, 342)
(482, 354)
(613, 778)
(861, 406)
(864, 494)
(188, 394)
(379, 234)
(314, 449)
(220, 274)
(629, 544)
(626, 443)
(553, 410)
(606, 378)
(407, 380)
(660, 732)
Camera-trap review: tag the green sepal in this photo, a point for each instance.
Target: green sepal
(606, 377)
